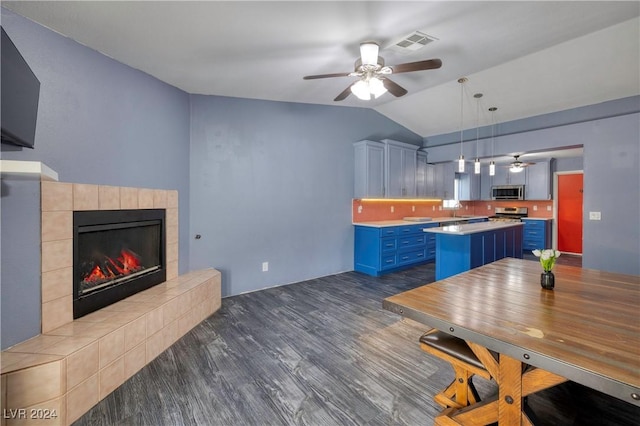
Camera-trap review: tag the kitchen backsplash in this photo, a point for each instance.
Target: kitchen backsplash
(373, 210)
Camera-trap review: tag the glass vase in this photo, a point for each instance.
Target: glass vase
(547, 280)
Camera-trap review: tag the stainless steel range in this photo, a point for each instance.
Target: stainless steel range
(509, 214)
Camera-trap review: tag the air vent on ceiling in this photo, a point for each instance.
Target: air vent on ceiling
(412, 42)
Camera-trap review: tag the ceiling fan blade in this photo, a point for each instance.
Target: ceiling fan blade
(394, 88)
(343, 95)
(339, 74)
(429, 64)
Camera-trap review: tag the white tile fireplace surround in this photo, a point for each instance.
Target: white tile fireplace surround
(62, 373)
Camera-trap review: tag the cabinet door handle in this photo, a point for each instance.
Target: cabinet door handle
(389, 261)
(405, 257)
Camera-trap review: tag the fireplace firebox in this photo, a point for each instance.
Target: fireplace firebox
(116, 253)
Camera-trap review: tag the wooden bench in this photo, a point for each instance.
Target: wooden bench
(56, 377)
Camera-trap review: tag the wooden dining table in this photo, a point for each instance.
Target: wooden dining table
(587, 330)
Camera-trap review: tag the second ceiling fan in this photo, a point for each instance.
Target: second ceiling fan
(373, 74)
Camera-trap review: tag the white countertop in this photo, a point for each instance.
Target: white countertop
(472, 228)
(400, 222)
(538, 218)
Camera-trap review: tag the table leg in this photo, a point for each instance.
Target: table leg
(510, 391)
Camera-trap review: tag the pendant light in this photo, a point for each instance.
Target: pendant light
(476, 164)
(492, 165)
(461, 159)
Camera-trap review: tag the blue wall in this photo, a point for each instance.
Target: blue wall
(99, 122)
(273, 182)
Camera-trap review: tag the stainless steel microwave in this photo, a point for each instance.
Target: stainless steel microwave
(507, 192)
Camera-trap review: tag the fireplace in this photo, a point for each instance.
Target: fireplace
(116, 253)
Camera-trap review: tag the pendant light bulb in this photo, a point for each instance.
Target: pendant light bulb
(476, 166)
(461, 164)
(492, 169)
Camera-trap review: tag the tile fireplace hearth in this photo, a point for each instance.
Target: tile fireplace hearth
(75, 363)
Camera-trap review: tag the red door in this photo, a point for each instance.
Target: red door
(570, 213)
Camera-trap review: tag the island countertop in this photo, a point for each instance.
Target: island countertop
(400, 222)
(472, 228)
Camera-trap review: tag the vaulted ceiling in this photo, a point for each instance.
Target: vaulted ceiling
(527, 58)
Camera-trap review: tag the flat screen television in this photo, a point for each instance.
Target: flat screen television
(20, 92)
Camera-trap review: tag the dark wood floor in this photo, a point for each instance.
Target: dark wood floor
(319, 352)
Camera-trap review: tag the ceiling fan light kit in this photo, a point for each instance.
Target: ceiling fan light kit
(363, 89)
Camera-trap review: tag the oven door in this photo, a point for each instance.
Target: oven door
(507, 192)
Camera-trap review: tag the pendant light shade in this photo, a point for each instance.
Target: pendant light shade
(492, 168)
(461, 164)
(476, 164)
(461, 80)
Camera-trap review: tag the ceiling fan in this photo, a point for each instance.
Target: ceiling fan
(372, 74)
(517, 166)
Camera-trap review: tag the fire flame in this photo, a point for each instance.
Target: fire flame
(127, 263)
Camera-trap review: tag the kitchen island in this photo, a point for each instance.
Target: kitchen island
(460, 248)
(386, 246)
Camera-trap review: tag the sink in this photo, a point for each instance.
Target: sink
(417, 219)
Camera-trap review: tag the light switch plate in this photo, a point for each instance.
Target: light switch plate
(595, 216)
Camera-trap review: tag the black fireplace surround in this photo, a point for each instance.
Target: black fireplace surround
(116, 253)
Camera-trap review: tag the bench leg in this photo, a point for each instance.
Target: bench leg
(460, 393)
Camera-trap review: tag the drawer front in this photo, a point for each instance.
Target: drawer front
(411, 256)
(534, 225)
(389, 261)
(532, 244)
(411, 241)
(388, 244)
(390, 231)
(410, 229)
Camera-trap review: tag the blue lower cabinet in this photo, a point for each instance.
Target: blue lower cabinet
(537, 234)
(382, 250)
(460, 253)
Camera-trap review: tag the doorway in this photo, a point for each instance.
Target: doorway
(569, 208)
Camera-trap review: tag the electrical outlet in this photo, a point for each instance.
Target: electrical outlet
(359, 209)
(433, 208)
(488, 206)
(595, 216)
(265, 266)
(535, 208)
(548, 208)
(392, 209)
(413, 208)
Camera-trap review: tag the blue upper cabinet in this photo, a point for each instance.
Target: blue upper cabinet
(538, 185)
(385, 169)
(369, 169)
(400, 169)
